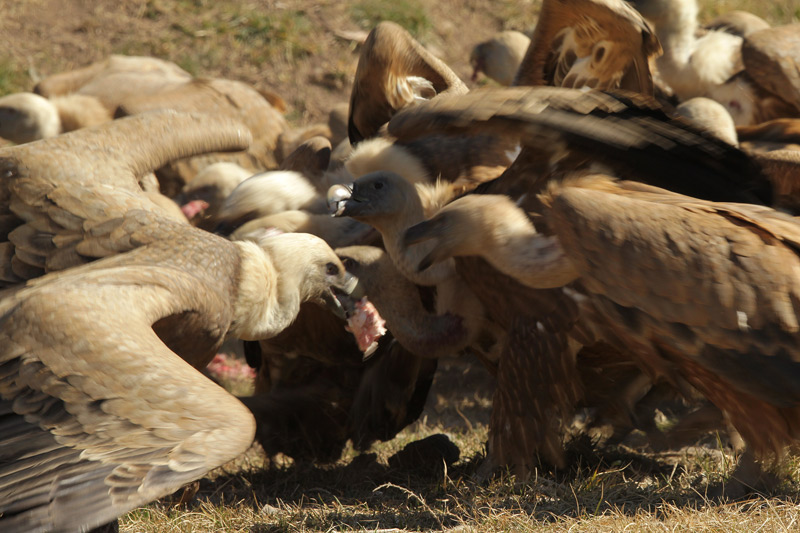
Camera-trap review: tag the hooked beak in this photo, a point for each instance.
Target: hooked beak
(475, 72)
(341, 298)
(342, 200)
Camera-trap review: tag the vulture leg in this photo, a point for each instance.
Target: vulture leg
(537, 390)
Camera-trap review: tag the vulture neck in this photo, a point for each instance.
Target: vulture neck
(406, 260)
(267, 301)
(676, 29)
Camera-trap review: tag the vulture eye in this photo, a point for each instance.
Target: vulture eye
(331, 269)
(349, 262)
(378, 185)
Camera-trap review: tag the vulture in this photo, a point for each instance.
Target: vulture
(114, 79)
(710, 116)
(604, 44)
(26, 117)
(499, 57)
(223, 98)
(268, 193)
(769, 86)
(599, 43)
(313, 392)
(678, 259)
(395, 71)
(690, 65)
(102, 410)
(200, 199)
(389, 203)
(223, 194)
(741, 23)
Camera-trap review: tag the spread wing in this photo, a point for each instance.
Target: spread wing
(97, 415)
(59, 191)
(393, 71)
(603, 44)
(629, 133)
(712, 285)
(221, 98)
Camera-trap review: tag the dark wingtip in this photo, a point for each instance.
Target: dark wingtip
(352, 131)
(416, 233)
(426, 262)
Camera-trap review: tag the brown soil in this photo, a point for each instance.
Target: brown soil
(303, 50)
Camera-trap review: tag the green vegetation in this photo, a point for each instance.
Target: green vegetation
(410, 14)
(12, 78)
(287, 33)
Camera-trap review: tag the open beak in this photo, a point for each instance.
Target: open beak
(338, 198)
(344, 201)
(341, 298)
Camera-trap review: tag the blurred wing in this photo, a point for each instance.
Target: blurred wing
(393, 71)
(391, 395)
(716, 282)
(98, 416)
(603, 44)
(627, 132)
(58, 191)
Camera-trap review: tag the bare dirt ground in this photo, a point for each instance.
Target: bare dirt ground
(306, 51)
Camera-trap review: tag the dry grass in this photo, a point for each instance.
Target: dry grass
(291, 46)
(606, 489)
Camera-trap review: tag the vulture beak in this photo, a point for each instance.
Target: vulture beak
(342, 297)
(476, 69)
(429, 229)
(345, 201)
(337, 198)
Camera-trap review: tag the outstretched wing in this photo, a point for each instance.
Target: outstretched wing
(97, 415)
(603, 44)
(393, 71)
(712, 285)
(57, 191)
(629, 133)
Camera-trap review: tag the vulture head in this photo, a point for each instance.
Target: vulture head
(26, 117)
(306, 269)
(499, 57)
(372, 196)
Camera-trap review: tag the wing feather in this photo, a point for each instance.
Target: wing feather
(85, 434)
